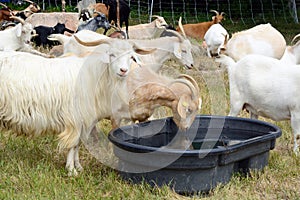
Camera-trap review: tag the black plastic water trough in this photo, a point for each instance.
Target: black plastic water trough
(220, 146)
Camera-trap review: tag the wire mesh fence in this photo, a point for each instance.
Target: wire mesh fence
(192, 11)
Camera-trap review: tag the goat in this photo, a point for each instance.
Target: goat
(266, 87)
(93, 24)
(197, 31)
(292, 53)
(262, 39)
(101, 7)
(176, 47)
(32, 8)
(18, 38)
(65, 95)
(5, 13)
(123, 11)
(215, 38)
(148, 30)
(84, 15)
(44, 31)
(147, 90)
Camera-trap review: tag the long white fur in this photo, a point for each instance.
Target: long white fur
(65, 96)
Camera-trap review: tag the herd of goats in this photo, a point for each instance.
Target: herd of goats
(94, 76)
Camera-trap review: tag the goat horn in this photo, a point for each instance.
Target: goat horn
(22, 21)
(2, 4)
(181, 27)
(175, 33)
(156, 16)
(190, 85)
(214, 11)
(90, 44)
(293, 40)
(192, 80)
(222, 13)
(29, 1)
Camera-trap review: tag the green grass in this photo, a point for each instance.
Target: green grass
(32, 168)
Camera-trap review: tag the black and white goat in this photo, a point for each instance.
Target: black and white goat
(100, 21)
(44, 31)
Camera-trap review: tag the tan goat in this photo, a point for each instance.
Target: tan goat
(150, 90)
(198, 30)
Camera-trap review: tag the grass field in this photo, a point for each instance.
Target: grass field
(32, 168)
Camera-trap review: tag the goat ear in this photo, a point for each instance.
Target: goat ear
(19, 30)
(182, 106)
(177, 50)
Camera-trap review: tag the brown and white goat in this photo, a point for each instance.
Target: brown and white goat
(5, 13)
(198, 30)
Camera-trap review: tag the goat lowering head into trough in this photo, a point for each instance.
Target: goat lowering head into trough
(198, 30)
(44, 31)
(93, 24)
(66, 96)
(148, 90)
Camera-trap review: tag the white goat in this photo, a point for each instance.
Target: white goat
(65, 95)
(215, 38)
(262, 39)
(292, 53)
(266, 87)
(176, 47)
(166, 47)
(148, 30)
(70, 44)
(18, 38)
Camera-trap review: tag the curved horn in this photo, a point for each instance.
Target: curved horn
(29, 1)
(22, 21)
(222, 14)
(156, 16)
(91, 44)
(192, 80)
(181, 27)
(214, 11)
(2, 4)
(293, 40)
(177, 34)
(189, 84)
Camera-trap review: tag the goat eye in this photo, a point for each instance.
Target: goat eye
(184, 51)
(133, 58)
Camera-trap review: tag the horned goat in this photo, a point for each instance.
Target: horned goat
(216, 38)
(95, 23)
(66, 95)
(266, 87)
(198, 30)
(177, 47)
(148, 30)
(262, 39)
(148, 90)
(18, 38)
